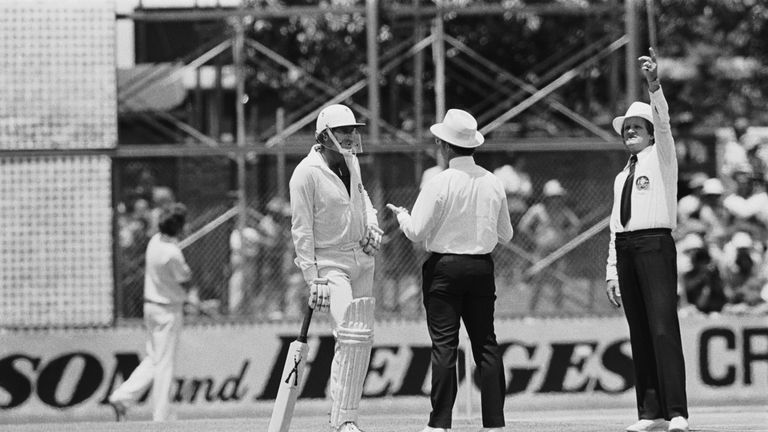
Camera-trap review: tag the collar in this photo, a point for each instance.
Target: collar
(168, 239)
(461, 162)
(641, 155)
(314, 157)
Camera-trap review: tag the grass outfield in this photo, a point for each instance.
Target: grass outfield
(750, 418)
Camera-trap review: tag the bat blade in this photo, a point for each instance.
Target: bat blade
(288, 392)
(293, 371)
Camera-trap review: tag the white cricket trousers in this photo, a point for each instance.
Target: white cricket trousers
(163, 325)
(350, 275)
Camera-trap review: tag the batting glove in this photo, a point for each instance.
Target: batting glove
(320, 295)
(371, 243)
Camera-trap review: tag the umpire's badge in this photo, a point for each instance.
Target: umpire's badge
(360, 187)
(642, 183)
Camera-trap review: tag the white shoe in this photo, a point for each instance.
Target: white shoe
(678, 424)
(348, 427)
(431, 429)
(646, 425)
(120, 409)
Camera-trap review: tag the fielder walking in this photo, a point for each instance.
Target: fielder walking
(166, 289)
(641, 266)
(336, 235)
(460, 215)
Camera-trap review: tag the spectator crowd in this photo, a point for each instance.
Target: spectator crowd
(722, 233)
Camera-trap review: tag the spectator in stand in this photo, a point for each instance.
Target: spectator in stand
(517, 186)
(747, 204)
(701, 284)
(162, 199)
(710, 220)
(244, 252)
(690, 204)
(734, 151)
(745, 275)
(550, 223)
(275, 256)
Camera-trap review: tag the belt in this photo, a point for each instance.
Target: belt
(344, 247)
(643, 233)
(162, 304)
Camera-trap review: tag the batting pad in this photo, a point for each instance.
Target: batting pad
(354, 337)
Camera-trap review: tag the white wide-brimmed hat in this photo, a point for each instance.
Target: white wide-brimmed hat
(637, 109)
(712, 186)
(553, 188)
(458, 128)
(741, 240)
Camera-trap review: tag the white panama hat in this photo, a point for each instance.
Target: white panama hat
(553, 188)
(637, 109)
(458, 128)
(712, 186)
(334, 116)
(741, 240)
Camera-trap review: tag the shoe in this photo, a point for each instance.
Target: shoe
(492, 430)
(678, 424)
(349, 427)
(433, 429)
(646, 425)
(120, 410)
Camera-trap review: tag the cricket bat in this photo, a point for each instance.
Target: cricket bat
(293, 370)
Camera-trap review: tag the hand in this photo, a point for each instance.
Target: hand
(320, 295)
(397, 210)
(614, 295)
(193, 297)
(649, 66)
(371, 243)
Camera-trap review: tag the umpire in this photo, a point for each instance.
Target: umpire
(460, 215)
(641, 266)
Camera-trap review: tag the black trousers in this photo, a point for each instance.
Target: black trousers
(455, 288)
(647, 269)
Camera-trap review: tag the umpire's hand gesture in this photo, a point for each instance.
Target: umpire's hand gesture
(650, 68)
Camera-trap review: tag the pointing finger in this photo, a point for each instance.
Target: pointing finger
(652, 52)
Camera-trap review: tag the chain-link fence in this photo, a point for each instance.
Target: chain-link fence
(553, 266)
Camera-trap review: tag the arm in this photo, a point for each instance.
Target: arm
(301, 189)
(662, 131)
(611, 274)
(416, 226)
(504, 224)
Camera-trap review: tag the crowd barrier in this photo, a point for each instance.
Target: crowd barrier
(68, 374)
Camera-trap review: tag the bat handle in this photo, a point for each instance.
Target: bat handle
(305, 325)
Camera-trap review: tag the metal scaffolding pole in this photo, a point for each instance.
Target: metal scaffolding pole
(238, 55)
(632, 31)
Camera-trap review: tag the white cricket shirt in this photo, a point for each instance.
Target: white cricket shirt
(323, 213)
(462, 210)
(654, 192)
(166, 270)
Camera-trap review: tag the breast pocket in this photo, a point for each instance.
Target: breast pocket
(643, 184)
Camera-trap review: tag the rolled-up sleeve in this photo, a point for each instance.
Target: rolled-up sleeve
(504, 224)
(301, 188)
(416, 225)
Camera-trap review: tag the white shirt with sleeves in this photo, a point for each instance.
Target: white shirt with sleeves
(654, 194)
(323, 213)
(462, 210)
(166, 271)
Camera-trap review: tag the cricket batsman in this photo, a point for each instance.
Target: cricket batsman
(336, 235)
